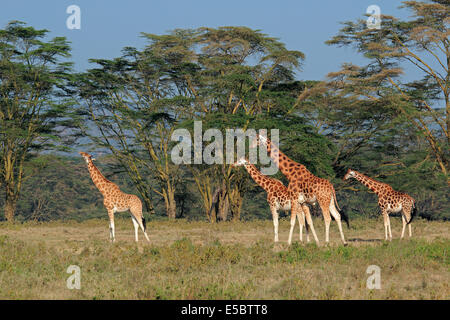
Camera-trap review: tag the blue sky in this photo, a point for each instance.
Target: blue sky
(108, 26)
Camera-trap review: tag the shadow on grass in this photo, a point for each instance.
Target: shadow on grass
(364, 240)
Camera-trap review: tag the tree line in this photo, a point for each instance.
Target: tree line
(376, 118)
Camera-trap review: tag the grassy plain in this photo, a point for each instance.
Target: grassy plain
(231, 260)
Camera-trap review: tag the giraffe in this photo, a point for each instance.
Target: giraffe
(115, 200)
(278, 196)
(389, 200)
(306, 188)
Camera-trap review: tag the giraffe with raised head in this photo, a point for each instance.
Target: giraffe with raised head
(278, 196)
(306, 188)
(115, 200)
(389, 200)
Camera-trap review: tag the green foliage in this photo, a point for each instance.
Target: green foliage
(35, 108)
(228, 78)
(420, 42)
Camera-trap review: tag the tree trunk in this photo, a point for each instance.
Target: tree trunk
(212, 216)
(10, 208)
(236, 205)
(169, 199)
(224, 207)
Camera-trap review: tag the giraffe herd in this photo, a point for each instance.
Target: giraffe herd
(304, 188)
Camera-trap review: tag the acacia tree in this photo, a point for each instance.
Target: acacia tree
(33, 110)
(422, 42)
(138, 99)
(237, 68)
(135, 102)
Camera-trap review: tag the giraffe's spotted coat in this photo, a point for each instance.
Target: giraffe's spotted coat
(278, 195)
(306, 187)
(115, 200)
(389, 200)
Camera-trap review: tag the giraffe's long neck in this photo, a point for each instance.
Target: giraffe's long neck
(370, 183)
(256, 175)
(281, 160)
(99, 180)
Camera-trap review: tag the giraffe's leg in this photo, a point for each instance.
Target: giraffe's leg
(404, 226)
(294, 210)
(389, 227)
(301, 223)
(310, 222)
(139, 219)
(409, 217)
(337, 217)
(111, 225)
(385, 225)
(111, 237)
(327, 218)
(305, 214)
(327, 230)
(275, 222)
(144, 231)
(136, 227)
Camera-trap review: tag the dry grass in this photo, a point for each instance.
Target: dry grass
(198, 260)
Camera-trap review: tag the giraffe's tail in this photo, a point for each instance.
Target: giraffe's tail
(413, 213)
(341, 211)
(144, 223)
(335, 200)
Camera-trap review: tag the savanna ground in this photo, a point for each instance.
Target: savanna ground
(231, 260)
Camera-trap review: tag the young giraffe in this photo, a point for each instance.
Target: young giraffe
(115, 200)
(278, 196)
(306, 188)
(389, 201)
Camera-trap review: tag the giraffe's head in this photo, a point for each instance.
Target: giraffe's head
(87, 157)
(240, 162)
(350, 174)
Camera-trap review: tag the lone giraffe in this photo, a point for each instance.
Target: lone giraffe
(306, 188)
(278, 196)
(389, 201)
(115, 200)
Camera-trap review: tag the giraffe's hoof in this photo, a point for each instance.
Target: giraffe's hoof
(345, 244)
